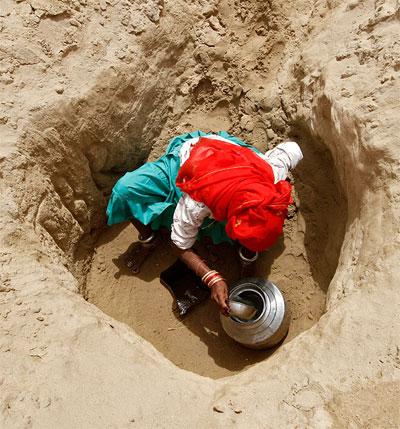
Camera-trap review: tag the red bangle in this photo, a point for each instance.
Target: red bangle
(212, 276)
(215, 280)
(207, 275)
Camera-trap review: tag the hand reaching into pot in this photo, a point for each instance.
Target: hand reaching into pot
(219, 293)
(211, 278)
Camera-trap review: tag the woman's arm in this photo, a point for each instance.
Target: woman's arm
(219, 291)
(188, 218)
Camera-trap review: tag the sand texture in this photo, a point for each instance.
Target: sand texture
(90, 89)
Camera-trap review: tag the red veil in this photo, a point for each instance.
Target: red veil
(237, 186)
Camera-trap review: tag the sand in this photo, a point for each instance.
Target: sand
(91, 89)
(197, 341)
(302, 263)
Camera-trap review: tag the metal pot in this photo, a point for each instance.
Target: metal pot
(270, 323)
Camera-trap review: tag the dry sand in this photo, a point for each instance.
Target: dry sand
(91, 89)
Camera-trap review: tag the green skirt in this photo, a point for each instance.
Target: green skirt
(150, 195)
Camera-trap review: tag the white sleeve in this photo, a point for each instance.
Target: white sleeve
(188, 217)
(279, 162)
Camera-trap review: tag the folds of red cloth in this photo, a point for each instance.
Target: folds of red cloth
(238, 187)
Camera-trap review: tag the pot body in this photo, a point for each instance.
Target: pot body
(271, 322)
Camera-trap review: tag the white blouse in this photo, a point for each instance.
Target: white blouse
(190, 214)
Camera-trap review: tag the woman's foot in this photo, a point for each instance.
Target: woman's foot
(248, 270)
(248, 260)
(139, 252)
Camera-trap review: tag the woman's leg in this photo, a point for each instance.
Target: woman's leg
(140, 196)
(145, 231)
(141, 250)
(248, 260)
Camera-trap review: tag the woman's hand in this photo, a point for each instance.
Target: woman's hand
(219, 293)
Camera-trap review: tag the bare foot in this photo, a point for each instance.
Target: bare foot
(137, 254)
(248, 270)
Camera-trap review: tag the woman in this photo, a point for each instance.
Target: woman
(207, 184)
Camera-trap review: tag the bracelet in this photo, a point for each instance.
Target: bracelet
(204, 279)
(147, 240)
(215, 281)
(211, 278)
(247, 260)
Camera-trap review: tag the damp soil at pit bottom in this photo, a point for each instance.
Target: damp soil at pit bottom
(196, 341)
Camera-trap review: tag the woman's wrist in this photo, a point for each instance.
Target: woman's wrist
(208, 276)
(211, 278)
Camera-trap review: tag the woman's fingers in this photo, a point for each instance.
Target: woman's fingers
(220, 295)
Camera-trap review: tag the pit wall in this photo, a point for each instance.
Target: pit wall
(345, 96)
(71, 154)
(58, 352)
(341, 89)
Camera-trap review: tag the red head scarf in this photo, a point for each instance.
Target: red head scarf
(237, 186)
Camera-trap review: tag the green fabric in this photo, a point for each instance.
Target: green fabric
(150, 194)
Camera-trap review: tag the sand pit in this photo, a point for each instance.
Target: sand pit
(90, 91)
(197, 342)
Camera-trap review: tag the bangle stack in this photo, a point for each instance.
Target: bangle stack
(212, 277)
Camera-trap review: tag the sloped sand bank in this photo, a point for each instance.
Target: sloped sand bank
(90, 91)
